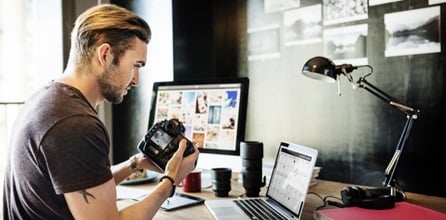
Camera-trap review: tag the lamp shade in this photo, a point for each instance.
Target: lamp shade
(320, 68)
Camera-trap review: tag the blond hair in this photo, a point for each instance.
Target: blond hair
(105, 23)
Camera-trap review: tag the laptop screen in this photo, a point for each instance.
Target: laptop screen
(291, 176)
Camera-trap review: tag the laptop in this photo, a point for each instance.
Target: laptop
(286, 193)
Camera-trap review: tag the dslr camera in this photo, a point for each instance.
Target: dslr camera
(162, 140)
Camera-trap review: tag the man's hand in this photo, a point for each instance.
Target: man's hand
(144, 162)
(178, 166)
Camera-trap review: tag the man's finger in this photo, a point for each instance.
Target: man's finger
(182, 146)
(181, 149)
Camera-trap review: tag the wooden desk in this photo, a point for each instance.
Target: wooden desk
(322, 188)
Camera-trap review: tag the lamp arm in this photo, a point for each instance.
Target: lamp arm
(363, 83)
(411, 115)
(391, 167)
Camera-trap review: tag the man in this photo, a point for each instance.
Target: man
(59, 167)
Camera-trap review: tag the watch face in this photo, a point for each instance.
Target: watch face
(133, 163)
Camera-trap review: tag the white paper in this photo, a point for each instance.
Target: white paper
(124, 192)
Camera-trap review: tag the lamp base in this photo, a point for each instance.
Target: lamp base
(371, 198)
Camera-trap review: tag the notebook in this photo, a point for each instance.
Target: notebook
(287, 189)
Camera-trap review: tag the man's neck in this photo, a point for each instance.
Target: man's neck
(85, 82)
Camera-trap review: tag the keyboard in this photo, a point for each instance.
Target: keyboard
(258, 209)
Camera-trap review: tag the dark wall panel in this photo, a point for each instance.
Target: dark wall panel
(206, 38)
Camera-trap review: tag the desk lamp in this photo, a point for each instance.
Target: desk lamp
(321, 68)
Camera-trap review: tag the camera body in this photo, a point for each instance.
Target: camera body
(162, 140)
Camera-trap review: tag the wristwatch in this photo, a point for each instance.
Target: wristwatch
(133, 165)
(172, 181)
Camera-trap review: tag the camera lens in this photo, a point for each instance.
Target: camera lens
(170, 126)
(251, 153)
(221, 181)
(174, 126)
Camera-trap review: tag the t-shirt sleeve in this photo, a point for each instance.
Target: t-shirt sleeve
(75, 153)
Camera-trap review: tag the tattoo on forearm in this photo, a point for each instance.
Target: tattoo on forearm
(85, 194)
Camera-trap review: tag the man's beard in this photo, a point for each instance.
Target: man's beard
(110, 92)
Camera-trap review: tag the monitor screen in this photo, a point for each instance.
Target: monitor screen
(212, 111)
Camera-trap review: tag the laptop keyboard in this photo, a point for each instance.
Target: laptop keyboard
(258, 209)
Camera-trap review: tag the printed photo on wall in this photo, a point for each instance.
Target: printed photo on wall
(413, 32)
(264, 43)
(433, 2)
(346, 44)
(340, 11)
(280, 5)
(257, 18)
(303, 25)
(380, 2)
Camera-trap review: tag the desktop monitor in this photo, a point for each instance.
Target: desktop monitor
(212, 111)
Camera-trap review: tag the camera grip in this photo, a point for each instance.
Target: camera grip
(189, 148)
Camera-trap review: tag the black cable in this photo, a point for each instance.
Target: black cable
(327, 202)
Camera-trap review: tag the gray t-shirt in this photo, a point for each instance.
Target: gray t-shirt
(58, 145)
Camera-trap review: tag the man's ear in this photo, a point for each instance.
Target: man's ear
(104, 55)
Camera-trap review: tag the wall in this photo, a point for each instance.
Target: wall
(355, 133)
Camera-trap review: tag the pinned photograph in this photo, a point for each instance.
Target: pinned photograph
(346, 44)
(340, 11)
(264, 43)
(303, 25)
(413, 32)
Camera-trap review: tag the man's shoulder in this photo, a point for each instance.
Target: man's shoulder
(58, 101)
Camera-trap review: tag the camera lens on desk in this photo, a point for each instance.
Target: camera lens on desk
(221, 181)
(251, 153)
